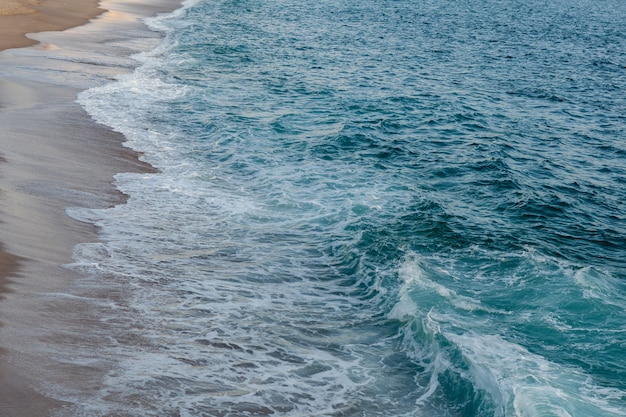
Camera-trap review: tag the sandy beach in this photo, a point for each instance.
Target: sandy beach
(53, 156)
(18, 17)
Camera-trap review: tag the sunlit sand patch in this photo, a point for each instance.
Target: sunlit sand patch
(117, 15)
(47, 46)
(14, 7)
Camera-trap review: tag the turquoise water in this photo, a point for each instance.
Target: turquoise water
(373, 208)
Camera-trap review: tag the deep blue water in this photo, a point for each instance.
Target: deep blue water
(371, 208)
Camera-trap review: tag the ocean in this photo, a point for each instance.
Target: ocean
(367, 208)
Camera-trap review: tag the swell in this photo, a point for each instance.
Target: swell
(376, 225)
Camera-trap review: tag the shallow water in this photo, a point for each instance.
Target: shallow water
(382, 208)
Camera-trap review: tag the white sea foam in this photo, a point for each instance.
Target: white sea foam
(520, 382)
(414, 275)
(600, 285)
(270, 264)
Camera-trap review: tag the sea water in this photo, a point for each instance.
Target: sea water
(369, 208)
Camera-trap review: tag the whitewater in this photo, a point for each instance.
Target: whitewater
(373, 208)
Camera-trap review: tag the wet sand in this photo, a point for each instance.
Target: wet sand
(18, 17)
(53, 156)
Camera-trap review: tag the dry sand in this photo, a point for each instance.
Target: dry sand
(53, 156)
(18, 17)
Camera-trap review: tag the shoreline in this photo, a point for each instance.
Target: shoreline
(54, 156)
(20, 17)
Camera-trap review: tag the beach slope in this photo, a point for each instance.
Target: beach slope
(54, 156)
(19, 17)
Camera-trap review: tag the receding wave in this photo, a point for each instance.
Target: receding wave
(372, 209)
